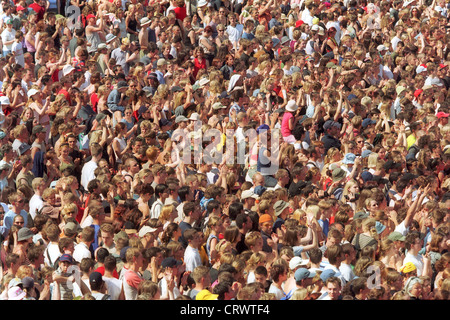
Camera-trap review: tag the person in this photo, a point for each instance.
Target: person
(98, 286)
(87, 172)
(17, 202)
(131, 276)
(111, 279)
(278, 274)
(82, 249)
(192, 257)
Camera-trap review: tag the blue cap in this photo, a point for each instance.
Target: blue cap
(349, 158)
(327, 274)
(259, 190)
(365, 153)
(303, 273)
(366, 176)
(367, 122)
(66, 257)
(262, 127)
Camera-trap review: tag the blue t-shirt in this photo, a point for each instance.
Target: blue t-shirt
(9, 218)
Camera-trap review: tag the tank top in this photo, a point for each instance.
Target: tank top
(94, 40)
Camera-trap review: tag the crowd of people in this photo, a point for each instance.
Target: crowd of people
(224, 150)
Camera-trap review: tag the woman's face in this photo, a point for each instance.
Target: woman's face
(354, 189)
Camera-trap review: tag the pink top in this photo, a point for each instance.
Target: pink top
(285, 131)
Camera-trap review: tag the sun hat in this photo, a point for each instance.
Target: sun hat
(16, 293)
(291, 106)
(32, 92)
(279, 206)
(349, 158)
(338, 174)
(24, 234)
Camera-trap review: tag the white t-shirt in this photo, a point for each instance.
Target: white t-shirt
(8, 36)
(87, 173)
(17, 49)
(36, 204)
(51, 253)
(416, 260)
(81, 251)
(192, 258)
(114, 287)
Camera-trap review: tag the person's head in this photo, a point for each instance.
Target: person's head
(107, 234)
(193, 237)
(96, 281)
(333, 287)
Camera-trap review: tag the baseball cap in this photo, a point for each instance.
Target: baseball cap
(248, 194)
(66, 258)
(330, 123)
(146, 229)
(296, 262)
(442, 115)
(408, 267)
(265, 218)
(396, 236)
(367, 122)
(303, 273)
(95, 278)
(39, 128)
(328, 273)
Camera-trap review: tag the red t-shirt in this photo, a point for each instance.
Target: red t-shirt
(180, 13)
(198, 65)
(101, 269)
(94, 101)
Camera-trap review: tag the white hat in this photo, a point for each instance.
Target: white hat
(145, 21)
(291, 106)
(296, 262)
(203, 81)
(67, 69)
(232, 83)
(32, 92)
(248, 194)
(146, 229)
(102, 46)
(420, 69)
(16, 293)
(321, 31)
(4, 100)
(195, 116)
(110, 37)
(382, 47)
(201, 3)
